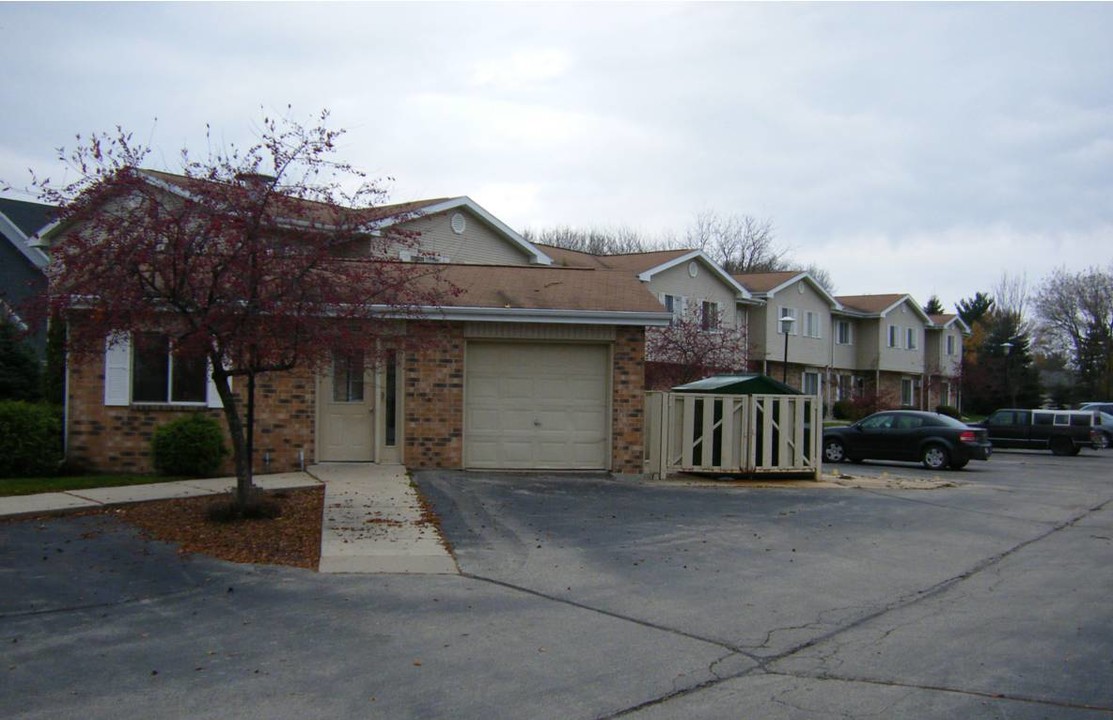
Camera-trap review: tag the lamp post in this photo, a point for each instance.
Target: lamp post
(1008, 348)
(786, 328)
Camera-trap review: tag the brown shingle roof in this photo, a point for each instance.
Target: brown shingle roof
(870, 303)
(764, 281)
(532, 287)
(629, 262)
(307, 209)
(570, 258)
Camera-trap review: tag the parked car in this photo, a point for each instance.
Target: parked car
(1105, 407)
(1063, 432)
(938, 441)
(1106, 427)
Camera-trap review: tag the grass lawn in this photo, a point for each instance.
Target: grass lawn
(33, 485)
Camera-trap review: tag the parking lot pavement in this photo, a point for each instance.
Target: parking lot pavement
(589, 597)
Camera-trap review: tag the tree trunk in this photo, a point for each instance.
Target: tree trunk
(241, 449)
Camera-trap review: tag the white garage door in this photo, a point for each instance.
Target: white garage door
(536, 406)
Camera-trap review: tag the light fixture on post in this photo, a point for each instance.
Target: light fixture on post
(786, 328)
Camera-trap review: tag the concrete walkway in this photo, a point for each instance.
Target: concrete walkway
(372, 519)
(373, 523)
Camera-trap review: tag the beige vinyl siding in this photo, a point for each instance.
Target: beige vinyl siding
(901, 358)
(845, 356)
(477, 245)
(802, 350)
(705, 286)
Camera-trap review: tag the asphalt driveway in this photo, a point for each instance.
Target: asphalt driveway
(589, 597)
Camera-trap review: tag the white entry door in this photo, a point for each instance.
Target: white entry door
(346, 411)
(537, 406)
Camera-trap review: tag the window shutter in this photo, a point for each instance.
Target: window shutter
(212, 396)
(117, 369)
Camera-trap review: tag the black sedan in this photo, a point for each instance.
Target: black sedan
(938, 441)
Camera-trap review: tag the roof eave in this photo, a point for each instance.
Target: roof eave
(546, 315)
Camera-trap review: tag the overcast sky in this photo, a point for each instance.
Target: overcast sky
(923, 148)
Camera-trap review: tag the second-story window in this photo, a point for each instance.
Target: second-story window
(950, 344)
(709, 316)
(894, 336)
(842, 332)
(910, 338)
(811, 324)
(676, 305)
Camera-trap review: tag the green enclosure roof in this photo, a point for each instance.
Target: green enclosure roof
(753, 384)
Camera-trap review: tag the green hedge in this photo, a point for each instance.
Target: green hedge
(192, 446)
(949, 411)
(30, 439)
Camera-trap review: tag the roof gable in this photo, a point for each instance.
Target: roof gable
(881, 305)
(767, 284)
(29, 217)
(646, 265)
(947, 320)
(14, 234)
(387, 216)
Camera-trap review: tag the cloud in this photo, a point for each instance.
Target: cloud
(522, 70)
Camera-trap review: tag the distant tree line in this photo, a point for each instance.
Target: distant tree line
(1053, 345)
(738, 243)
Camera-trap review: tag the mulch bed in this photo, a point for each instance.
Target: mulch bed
(293, 538)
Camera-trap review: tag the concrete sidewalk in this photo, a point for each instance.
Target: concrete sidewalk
(372, 520)
(373, 523)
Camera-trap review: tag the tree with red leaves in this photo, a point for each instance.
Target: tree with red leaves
(691, 347)
(257, 261)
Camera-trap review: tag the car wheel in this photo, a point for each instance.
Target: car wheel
(935, 457)
(1062, 446)
(834, 451)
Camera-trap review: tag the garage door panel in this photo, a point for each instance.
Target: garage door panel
(536, 406)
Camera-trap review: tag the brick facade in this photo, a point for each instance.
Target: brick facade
(434, 399)
(118, 439)
(628, 401)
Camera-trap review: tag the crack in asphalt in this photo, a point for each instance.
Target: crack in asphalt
(945, 689)
(131, 600)
(762, 664)
(734, 650)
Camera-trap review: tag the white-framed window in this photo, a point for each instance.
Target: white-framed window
(709, 316)
(894, 336)
(675, 304)
(911, 338)
(811, 382)
(950, 345)
(145, 368)
(907, 392)
(843, 335)
(792, 326)
(421, 256)
(945, 393)
(161, 375)
(811, 324)
(845, 385)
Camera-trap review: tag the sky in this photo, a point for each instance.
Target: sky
(923, 148)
